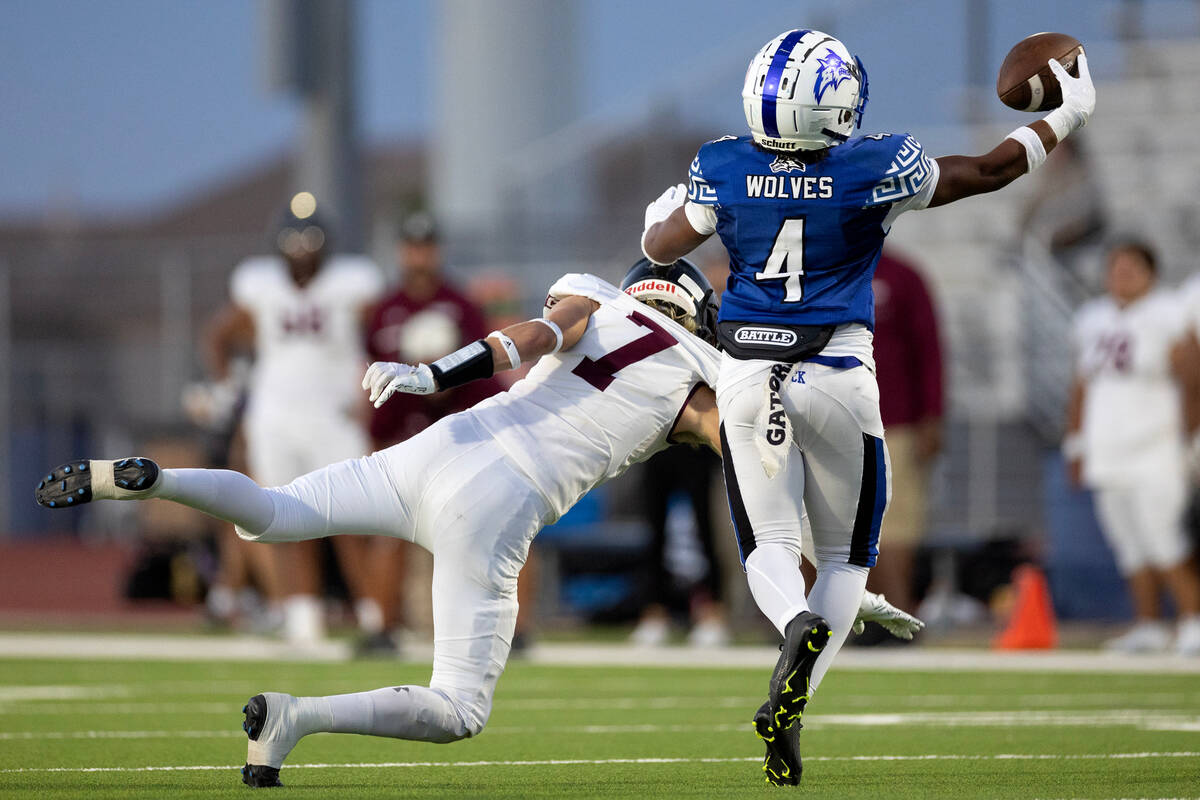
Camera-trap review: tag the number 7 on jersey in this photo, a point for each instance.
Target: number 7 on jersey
(786, 261)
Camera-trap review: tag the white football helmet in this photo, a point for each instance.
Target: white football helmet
(804, 91)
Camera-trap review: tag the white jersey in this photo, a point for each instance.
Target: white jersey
(309, 354)
(1132, 414)
(583, 416)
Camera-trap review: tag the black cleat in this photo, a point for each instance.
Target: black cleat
(782, 765)
(256, 715)
(79, 482)
(257, 776)
(777, 721)
(66, 485)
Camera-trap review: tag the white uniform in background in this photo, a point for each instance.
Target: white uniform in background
(476, 487)
(305, 399)
(1132, 427)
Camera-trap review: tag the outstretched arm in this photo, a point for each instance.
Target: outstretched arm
(231, 331)
(1024, 149)
(501, 350)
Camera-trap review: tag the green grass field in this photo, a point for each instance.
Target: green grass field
(134, 729)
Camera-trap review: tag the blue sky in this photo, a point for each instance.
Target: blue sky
(122, 106)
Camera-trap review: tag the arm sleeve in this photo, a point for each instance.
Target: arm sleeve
(702, 217)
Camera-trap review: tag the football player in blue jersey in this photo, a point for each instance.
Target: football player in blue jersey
(803, 209)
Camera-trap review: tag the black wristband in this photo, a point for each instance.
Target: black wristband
(464, 365)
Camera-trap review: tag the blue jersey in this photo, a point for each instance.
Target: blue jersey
(803, 239)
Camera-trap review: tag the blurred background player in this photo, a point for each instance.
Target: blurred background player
(425, 317)
(301, 312)
(1134, 392)
(908, 367)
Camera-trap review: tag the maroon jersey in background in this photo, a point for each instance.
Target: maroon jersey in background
(908, 355)
(402, 329)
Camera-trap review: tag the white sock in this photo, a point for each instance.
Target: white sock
(220, 493)
(773, 573)
(303, 619)
(836, 595)
(418, 713)
(369, 615)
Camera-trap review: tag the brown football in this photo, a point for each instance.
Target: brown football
(1025, 81)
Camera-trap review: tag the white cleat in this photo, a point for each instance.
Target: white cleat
(651, 632)
(1187, 638)
(875, 608)
(1144, 637)
(709, 633)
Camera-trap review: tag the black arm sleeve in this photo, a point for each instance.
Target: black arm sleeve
(464, 365)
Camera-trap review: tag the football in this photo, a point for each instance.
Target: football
(1025, 81)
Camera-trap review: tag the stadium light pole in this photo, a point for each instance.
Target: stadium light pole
(6, 431)
(309, 51)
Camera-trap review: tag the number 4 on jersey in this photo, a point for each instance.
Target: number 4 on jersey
(786, 261)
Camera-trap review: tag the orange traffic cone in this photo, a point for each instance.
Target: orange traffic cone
(1032, 625)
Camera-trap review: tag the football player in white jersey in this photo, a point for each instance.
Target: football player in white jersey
(302, 312)
(619, 376)
(1133, 396)
(803, 206)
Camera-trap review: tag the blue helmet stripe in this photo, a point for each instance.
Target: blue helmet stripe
(771, 85)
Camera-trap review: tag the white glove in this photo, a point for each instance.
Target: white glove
(874, 608)
(385, 378)
(1078, 99)
(666, 203)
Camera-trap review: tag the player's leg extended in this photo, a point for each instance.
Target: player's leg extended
(481, 535)
(349, 497)
(847, 479)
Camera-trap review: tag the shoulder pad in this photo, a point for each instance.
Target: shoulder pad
(253, 277)
(584, 285)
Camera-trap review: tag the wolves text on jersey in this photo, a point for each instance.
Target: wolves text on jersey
(790, 187)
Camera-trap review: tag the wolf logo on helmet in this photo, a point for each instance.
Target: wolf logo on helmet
(831, 74)
(784, 119)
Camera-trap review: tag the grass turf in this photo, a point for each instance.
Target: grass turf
(606, 732)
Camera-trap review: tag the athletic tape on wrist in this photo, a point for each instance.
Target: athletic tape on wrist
(510, 348)
(557, 333)
(464, 365)
(1063, 120)
(1035, 151)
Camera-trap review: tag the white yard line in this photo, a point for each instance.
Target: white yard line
(1150, 720)
(71, 692)
(607, 761)
(920, 659)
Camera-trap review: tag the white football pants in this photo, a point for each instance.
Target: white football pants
(1143, 522)
(451, 490)
(834, 469)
